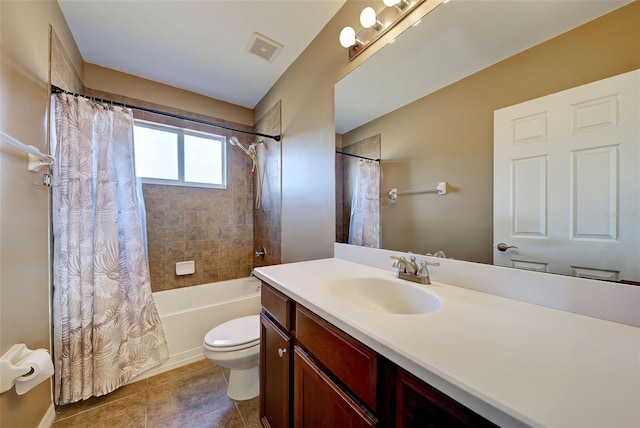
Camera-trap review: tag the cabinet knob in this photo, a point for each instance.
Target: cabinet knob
(282, 351)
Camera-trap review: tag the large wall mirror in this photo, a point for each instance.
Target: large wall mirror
(425, 104)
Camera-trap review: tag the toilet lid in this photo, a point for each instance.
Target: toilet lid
(238, 331)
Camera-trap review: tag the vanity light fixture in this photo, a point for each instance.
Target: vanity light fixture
(375, 25)
(401, 4)
(368, 18)
(347, 37)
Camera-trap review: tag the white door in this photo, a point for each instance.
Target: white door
(567, 181)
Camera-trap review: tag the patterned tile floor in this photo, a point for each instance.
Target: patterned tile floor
(193, 396)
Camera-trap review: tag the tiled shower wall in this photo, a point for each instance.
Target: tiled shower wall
(266, 221)
(212, 227)
(346, 169)
(63, 75)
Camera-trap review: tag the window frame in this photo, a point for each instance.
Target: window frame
(181, 132)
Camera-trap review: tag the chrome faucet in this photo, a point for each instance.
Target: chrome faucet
(409, 270)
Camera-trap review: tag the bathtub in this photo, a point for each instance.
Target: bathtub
(187, 314)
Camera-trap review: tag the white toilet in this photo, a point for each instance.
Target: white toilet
(235, 345)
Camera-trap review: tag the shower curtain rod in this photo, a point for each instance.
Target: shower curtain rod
(57, 90)
(356, 156)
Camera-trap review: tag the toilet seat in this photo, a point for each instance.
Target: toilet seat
(234, 335)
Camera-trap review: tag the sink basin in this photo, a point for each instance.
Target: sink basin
(385, 295)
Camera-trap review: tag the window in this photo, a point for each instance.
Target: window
(179, 157)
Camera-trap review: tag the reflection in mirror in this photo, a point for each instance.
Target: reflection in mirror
(433, 112)
(348, 161)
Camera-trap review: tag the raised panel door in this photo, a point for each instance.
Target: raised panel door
(567, 181)
(319, 402)
(275, 378)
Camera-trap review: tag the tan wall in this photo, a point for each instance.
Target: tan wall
(115, 82)
(24, 208)
(448, 136)
(308, 126)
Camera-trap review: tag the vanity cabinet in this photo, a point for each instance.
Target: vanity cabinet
(312, 374)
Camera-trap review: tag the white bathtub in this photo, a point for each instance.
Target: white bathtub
(188, 313)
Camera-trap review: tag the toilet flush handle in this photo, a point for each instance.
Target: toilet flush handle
(282, 351)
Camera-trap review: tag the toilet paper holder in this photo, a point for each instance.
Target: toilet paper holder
(10, 370)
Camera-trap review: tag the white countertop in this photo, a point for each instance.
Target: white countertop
(513, 362)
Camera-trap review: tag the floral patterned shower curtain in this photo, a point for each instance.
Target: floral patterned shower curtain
(106, 325)
(364, 225)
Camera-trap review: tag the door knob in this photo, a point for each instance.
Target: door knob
(504, 247)
(282, 351)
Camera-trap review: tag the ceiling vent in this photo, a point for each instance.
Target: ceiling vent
(264, 47)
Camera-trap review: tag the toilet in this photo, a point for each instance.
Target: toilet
(235, 345)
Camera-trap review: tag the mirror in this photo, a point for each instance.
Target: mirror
(429, 99)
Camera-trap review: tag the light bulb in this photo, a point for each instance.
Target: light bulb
(390, 3)
(368, 17)
(347, 37)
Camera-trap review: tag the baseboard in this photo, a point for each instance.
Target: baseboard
(48, 418)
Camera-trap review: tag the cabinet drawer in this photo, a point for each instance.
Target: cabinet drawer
(277, 305)
(345, 358)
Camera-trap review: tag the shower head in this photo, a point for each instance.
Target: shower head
(253, 154)
(235, 142)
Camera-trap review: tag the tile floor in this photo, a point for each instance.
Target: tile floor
(191, 396)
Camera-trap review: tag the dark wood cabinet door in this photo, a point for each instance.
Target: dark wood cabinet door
(320, 403)
(354, 364)
(275, 384)
(421, 405)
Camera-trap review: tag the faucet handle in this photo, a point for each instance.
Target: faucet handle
(424, 271)
(400, 263)
(396, 261)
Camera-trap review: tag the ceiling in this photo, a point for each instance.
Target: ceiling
(200, 45)
(457, 39)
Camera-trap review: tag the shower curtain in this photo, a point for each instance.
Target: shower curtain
(106, 326)
(364, 225)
